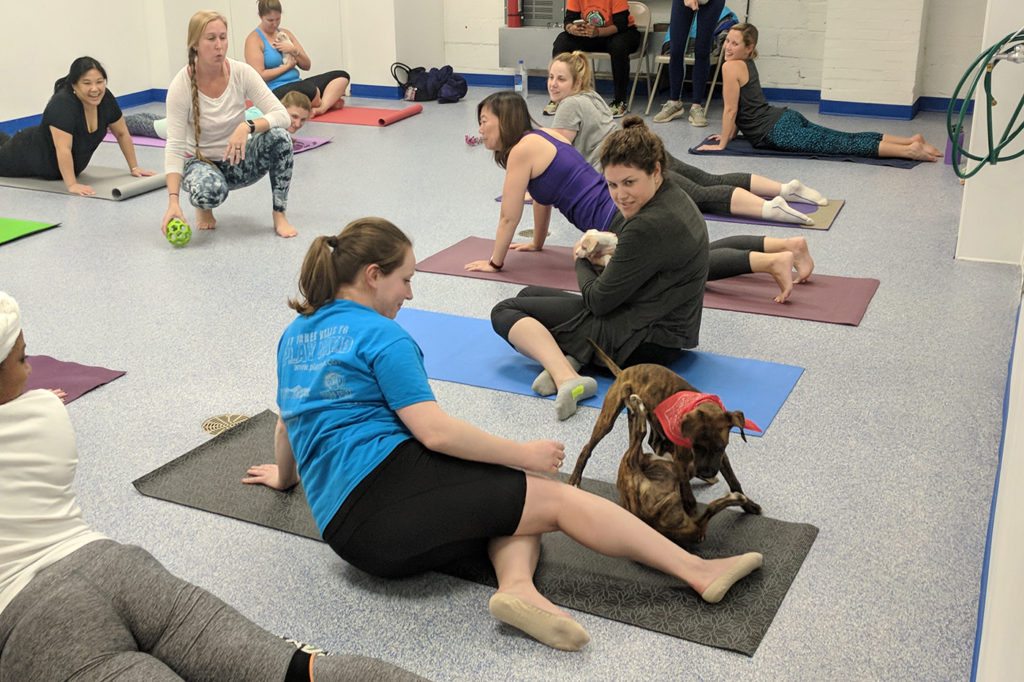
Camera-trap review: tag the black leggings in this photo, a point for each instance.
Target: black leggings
(712, 193)
(420, 510)
(310, 87)
(553, 307)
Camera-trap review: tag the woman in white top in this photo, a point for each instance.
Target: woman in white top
(206, 105)
(76, 605)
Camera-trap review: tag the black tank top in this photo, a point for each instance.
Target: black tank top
(755, 116)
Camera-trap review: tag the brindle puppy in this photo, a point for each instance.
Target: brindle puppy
(650, 486)
(707, 427)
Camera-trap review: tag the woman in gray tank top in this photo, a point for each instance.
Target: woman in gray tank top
(748, 112)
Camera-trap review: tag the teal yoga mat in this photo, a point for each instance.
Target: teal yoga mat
(466, 350)
(13, 228)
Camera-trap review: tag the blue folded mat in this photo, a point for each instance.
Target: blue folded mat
(741, 147)
(466, 350)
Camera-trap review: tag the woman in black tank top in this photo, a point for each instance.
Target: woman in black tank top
(748, 112)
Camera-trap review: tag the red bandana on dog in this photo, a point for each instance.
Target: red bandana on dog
(671, 410)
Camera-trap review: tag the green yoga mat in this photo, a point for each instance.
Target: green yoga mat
(13, 228)
(569, 574)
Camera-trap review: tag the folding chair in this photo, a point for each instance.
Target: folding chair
(642, 18)
(662, 59)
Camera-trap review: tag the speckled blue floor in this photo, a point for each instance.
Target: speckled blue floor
(888, 444)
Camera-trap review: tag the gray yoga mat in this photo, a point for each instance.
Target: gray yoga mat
(113, 184)
(570, 575)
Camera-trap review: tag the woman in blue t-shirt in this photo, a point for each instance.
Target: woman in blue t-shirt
(396, 485)
(74, 123)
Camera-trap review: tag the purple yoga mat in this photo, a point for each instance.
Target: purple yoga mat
(824, 298)
(299, 144)
(74, 379)
(837, 300)
(550, 267)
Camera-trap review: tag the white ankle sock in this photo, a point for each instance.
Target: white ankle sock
(778, 210)
(794, 190)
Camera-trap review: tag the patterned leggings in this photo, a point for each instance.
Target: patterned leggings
(794, 133)
(208, 184)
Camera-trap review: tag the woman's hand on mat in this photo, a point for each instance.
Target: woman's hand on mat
(543, 456)
(480, 266)
(141, 172)
(59, 392)
(524, 246)
(712, 147)
(268, 475)
(81, 190)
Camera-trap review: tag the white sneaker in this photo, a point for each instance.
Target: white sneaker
(670, 111)
(698, 119)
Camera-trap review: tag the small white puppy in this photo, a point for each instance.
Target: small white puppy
(597, 247)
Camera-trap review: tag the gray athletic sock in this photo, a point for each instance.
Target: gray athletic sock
(544, 385)
(570, 393)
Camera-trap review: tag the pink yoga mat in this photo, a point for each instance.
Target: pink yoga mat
(299, 144)
(837, 300)
(367, 116)
(824, 298)
(550, 267)
(74, 379)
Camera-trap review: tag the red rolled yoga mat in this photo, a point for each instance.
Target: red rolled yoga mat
(837, 300)
(74, 379)
(366, 116)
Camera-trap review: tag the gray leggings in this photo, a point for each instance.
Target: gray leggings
(712, 193)
(208, 184)
(110, 610)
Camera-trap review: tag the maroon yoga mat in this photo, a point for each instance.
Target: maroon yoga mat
(367, 116)
(825, 298)
(550, 267)
(74, 379)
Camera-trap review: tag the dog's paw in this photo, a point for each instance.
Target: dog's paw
(751, 507)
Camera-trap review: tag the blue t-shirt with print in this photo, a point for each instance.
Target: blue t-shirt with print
(342, 372)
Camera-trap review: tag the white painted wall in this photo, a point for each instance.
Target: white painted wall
(872, 50)
(952, 41)
(990, 225)
(45, 36)
(419, 32)
(791, 45)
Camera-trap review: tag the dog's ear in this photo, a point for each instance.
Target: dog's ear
(737, 419)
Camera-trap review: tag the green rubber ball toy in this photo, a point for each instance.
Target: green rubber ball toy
(178, 232)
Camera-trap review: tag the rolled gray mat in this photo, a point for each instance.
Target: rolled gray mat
(113, 184)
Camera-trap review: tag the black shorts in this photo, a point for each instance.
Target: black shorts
(420, 510)
(310, 87)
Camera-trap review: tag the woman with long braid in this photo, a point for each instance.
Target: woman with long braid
(211, 147)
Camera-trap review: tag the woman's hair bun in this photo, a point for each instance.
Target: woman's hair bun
(632, 121)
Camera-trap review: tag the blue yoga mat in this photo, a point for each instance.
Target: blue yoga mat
(466, 350)
(740, 147)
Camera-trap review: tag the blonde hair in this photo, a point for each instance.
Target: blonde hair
(332, 262)
(749, 33)
(196, 26)
(295, 98)
(579, 67)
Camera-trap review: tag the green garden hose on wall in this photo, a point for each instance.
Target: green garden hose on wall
(1010, 48)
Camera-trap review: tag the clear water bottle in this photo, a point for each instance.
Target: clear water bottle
(519, 78)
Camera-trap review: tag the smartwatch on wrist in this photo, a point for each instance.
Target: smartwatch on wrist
(252, 126)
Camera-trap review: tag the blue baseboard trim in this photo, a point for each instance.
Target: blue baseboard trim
(942, 104)
(792, 95)
(132, 99)
(496, 80)
(839, 108)
(986, 561)
(376, 91)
